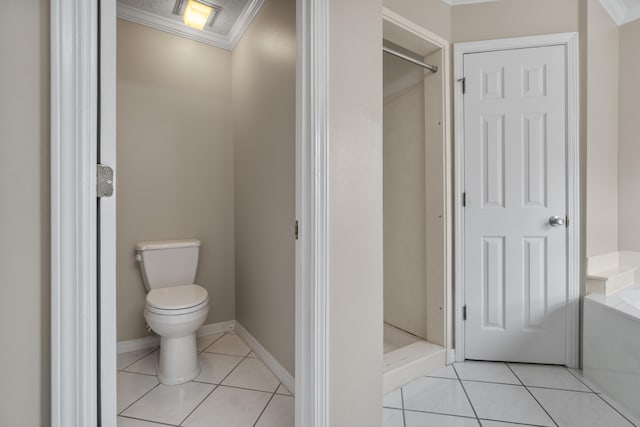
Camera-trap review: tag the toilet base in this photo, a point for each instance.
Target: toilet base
(178, 359)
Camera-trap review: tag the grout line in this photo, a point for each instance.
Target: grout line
(152, 349)
(467, 394)
(466, 417)
(265, 408)
(404, 419)
(239, 388)
(214, 389)
(513, 422)
(140, 373)
(615, 409)
(213, 342)
(534, 398)
(579, 379)
(600, 396)
(142, 419)
(135, 401)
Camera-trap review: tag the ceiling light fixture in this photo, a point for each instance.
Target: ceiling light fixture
(196, 14)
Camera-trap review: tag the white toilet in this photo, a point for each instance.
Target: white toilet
(175, 307)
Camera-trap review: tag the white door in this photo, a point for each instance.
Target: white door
(515, 259)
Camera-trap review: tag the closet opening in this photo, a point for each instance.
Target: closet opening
(416, 184)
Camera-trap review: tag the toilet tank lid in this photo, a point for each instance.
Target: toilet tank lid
(154, 245)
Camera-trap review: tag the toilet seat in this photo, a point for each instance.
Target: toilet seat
(176, 300)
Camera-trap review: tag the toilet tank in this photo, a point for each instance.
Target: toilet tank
(165, 263)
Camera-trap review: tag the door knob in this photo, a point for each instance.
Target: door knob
(556, 221)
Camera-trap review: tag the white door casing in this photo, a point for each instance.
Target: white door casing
(517, 167)
(515, 262)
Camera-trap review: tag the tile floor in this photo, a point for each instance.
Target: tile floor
(488, 394)
(234, 389)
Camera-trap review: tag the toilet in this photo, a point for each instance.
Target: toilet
(175, 307)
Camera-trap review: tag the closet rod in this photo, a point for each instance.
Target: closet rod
(432, 68)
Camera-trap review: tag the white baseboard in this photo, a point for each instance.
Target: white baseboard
(280, 372)
(451, 356)
(154, 340)
(216, 328)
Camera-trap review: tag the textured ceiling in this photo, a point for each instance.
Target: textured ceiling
(229, 13)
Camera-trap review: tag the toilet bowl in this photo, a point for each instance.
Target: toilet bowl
(175, 307)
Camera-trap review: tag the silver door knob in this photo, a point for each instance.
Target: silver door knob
(556, 221)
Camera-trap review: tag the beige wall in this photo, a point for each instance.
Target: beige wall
(355, 213)
(405, 289)
(175, 163)
(434, 15)
(602, 131)
(264, 79)
(513, 18)
(629, 150)
(24, 214)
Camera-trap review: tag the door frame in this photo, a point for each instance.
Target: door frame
(76, 375)
(574, 262)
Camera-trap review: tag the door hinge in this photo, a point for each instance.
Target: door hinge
(464, 199)
(464, 312)
(464, 84)
(297, 229)
(104, 181)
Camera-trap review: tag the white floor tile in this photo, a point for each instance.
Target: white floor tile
(393, 399)
(147, 365)
(502, 402)
(131, 387)
(437, 395)
(214, 367)
(578, 373)
(229, 344)
(283, 390)
(280, 412)
(253, 374)
(130, 422)
(126, 359)
(206, 340)
(494, 372)
(169, 404)
(486, 423)
(624, 411)
(573, 409)
(446, 372)
(392, 418)
(421, 419)
(229, 407)
(547, 376)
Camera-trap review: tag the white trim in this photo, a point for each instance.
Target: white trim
(107, 218)
(312, 352)
(620, 12)
(461, 2)
(272, 363)
(574, 262)
(216, 328)
(170, 26)
(74, 75)
(242, 23)
(136, 344)
(154, 340)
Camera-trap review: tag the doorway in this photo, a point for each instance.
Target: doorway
(517, 216)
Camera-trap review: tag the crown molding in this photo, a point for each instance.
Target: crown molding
(620, 12)
(170, 26)
(461, 2)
